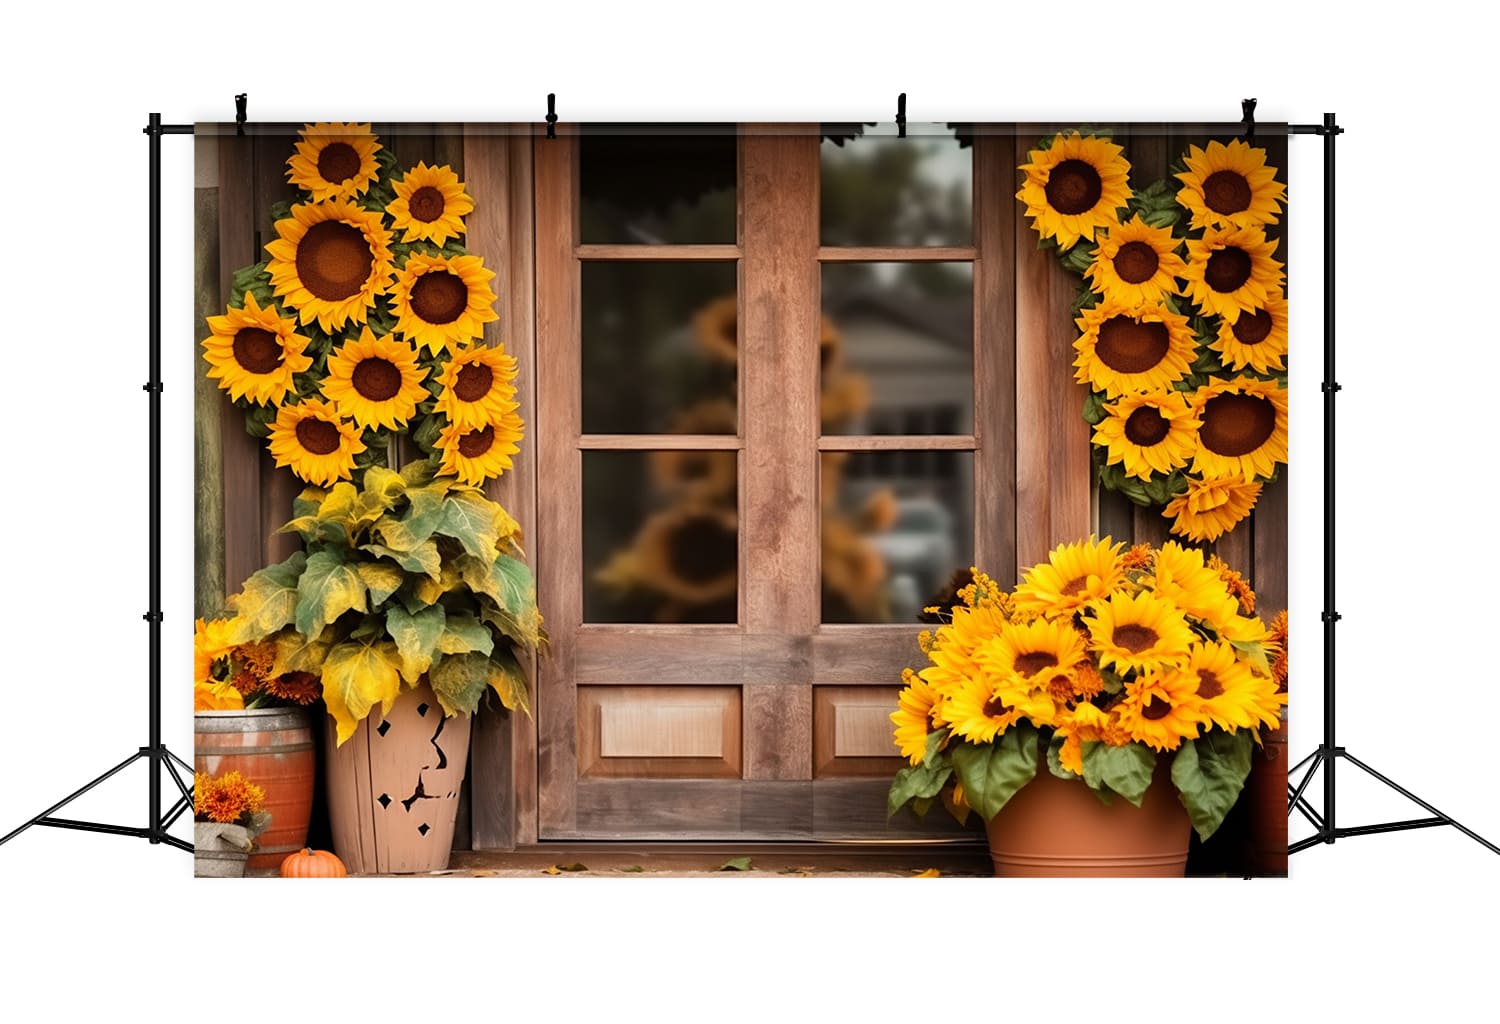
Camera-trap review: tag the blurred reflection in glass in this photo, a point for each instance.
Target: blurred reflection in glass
(907, 331)
(896, 526)
(660, 534)
(672, 189)
(657, 339)
(878, 189)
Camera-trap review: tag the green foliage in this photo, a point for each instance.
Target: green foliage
(1124, 770)
(1209, 773)
(992, 773)
(1156, 204)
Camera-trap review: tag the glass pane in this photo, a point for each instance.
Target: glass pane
(659, 348)
(878, 189)
(898, 348)
(896, 526)
(660, 536)
(657, 189)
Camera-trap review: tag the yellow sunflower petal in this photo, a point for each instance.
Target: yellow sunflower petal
(334, 160)
(1072, 576)
(1257, 338)
(1230, 186)
(1136, 264)
(1161, 710)
(330, 262)
(1125, 349)
(478, 386)
(1232, 271)
(1211, 506)
(430, 204)
(1138, 632)
(376, 382)
(443, 302)
(315, 443)
(1242, 428)
(477, 455)
(1075, 186)
(253, 353)
(1151, 432)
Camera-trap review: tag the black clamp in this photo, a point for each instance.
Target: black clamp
(552, 115)
(240, 102)
(1330, 388)
(1331, 616)
(1248, 121)
(152, 616)
(901, 116)
(154, 387)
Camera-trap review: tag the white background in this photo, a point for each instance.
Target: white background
(1387, 925)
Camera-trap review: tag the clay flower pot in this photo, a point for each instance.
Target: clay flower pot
(220, 851)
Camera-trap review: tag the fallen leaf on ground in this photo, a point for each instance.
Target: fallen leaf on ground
(737, 864)
(572, 867)
(633, 867)
(552, 870)
(929, 873)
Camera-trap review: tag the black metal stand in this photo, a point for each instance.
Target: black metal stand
(158, 757)
(1329, 753)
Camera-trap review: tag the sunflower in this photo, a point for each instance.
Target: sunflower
(689, 554)
(478, 386)
(1230, 186)
(1136, 264)
(479, 454)
(430, 205)
(984, 706)
(717, 328)
(709, 474)
(253, 353)
(1125, 349)
(376, 382)
(913, 717)
(952, 652)
(330, 261)
(1161, 710)
(1210, 507)
(217, 697)
(1242, 428)
(1229, 694)
(443, 301)
(1075, 186)
(845, 396)
(1181, 576)
(334, 160)
(1072, 576)
(1278, 641)
(1257, 338)
(1083, 724)
(1031, 650)
(1139, 632)
(1148, 432)
(315, 443)
(1232, 271)
(210, 643)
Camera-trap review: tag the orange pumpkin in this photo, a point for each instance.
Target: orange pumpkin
(313, 864)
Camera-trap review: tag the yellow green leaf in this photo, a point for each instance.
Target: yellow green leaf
(469, 519)
(329, 587)
(358, 675)
(459, 680)
(423, 558)
(428, 590)
(552, 870)
(267, 602)
(736, 864)
(296, 653)
(463, 633)
(416, 635)
(509, 681)
(382, 578)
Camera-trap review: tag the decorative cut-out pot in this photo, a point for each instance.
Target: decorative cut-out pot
(273, 748)
(219, 851)
(1058, 828)
(393, 787)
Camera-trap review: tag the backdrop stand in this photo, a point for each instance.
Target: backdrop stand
(1329, 753)
(155, 753)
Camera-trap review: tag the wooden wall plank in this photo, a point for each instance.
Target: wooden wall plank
(208, 402)
(995, 356)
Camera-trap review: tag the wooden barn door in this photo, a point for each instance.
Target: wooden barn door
(745, 699)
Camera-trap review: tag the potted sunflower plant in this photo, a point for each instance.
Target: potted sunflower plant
(1094, 714)
(356, 350)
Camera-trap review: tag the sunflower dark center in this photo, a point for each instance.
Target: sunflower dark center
(1032, 662)
(318, 436)
(377, 379)
(334, 260)
(1073, 586)
(1208, 684)
(426, 204)
(1134, 637)
(1074, 186)
(1136, 262)
(1146, 427)
(473, 382)
(701, 550)
(256, 351)
(1156, 709)
(1226, 192)
(1236, 424)
(439, 298)
(1128, 345)
(1252, 328)
(476, 442)
(995, 707)
(338, 162)
(1227, 269)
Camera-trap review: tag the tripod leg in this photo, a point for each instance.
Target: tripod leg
(182, 787)
(1296, 801)
(185, 766)
(75, 795)
(1421, 803)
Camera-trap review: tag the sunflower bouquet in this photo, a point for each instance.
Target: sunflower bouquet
(1182, 320)
(1102, 662)
(229, 676)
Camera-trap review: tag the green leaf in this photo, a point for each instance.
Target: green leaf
(416, 637)
(915, 782)
(268, 600)
(459, 681)
(992, 773)
(1093, 408)
(935, 740)
(463, 633)
(1124, 770)
(382, 578)
(357, 676)
(1054, 760)
(736, 864)
(1209, 773)
(1254, 652)
(329, 587)
(634, 869)
(508, 680)
(424, 558)
(467, 519)
(296, 653)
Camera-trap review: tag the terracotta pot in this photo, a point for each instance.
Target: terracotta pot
(219, 851)
(273, 748)
(1056, 828)
(1266, 792)
(393, 787)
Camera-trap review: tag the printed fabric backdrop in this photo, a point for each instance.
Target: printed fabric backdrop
(741, 483)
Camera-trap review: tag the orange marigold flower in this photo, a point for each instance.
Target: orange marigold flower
(1234, 583)
(1137, 558)
(252, 664)
(225, 799)
(1279, 639)
(1087, 682)
(297, 687)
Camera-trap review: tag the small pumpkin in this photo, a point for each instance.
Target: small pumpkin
(309, 863)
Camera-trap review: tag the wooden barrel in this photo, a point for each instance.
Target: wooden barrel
(273, 748)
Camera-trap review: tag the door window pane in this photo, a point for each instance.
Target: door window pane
(878, 189)
(656, 189)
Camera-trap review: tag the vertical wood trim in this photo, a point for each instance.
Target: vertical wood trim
(780, 301)
(559, 540)
(1053, 472)
(995, 355)
(208, 406)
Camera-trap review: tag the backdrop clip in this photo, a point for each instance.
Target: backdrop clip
(240, 101)
(552, 115)
(1248, 107)
(901, 116)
